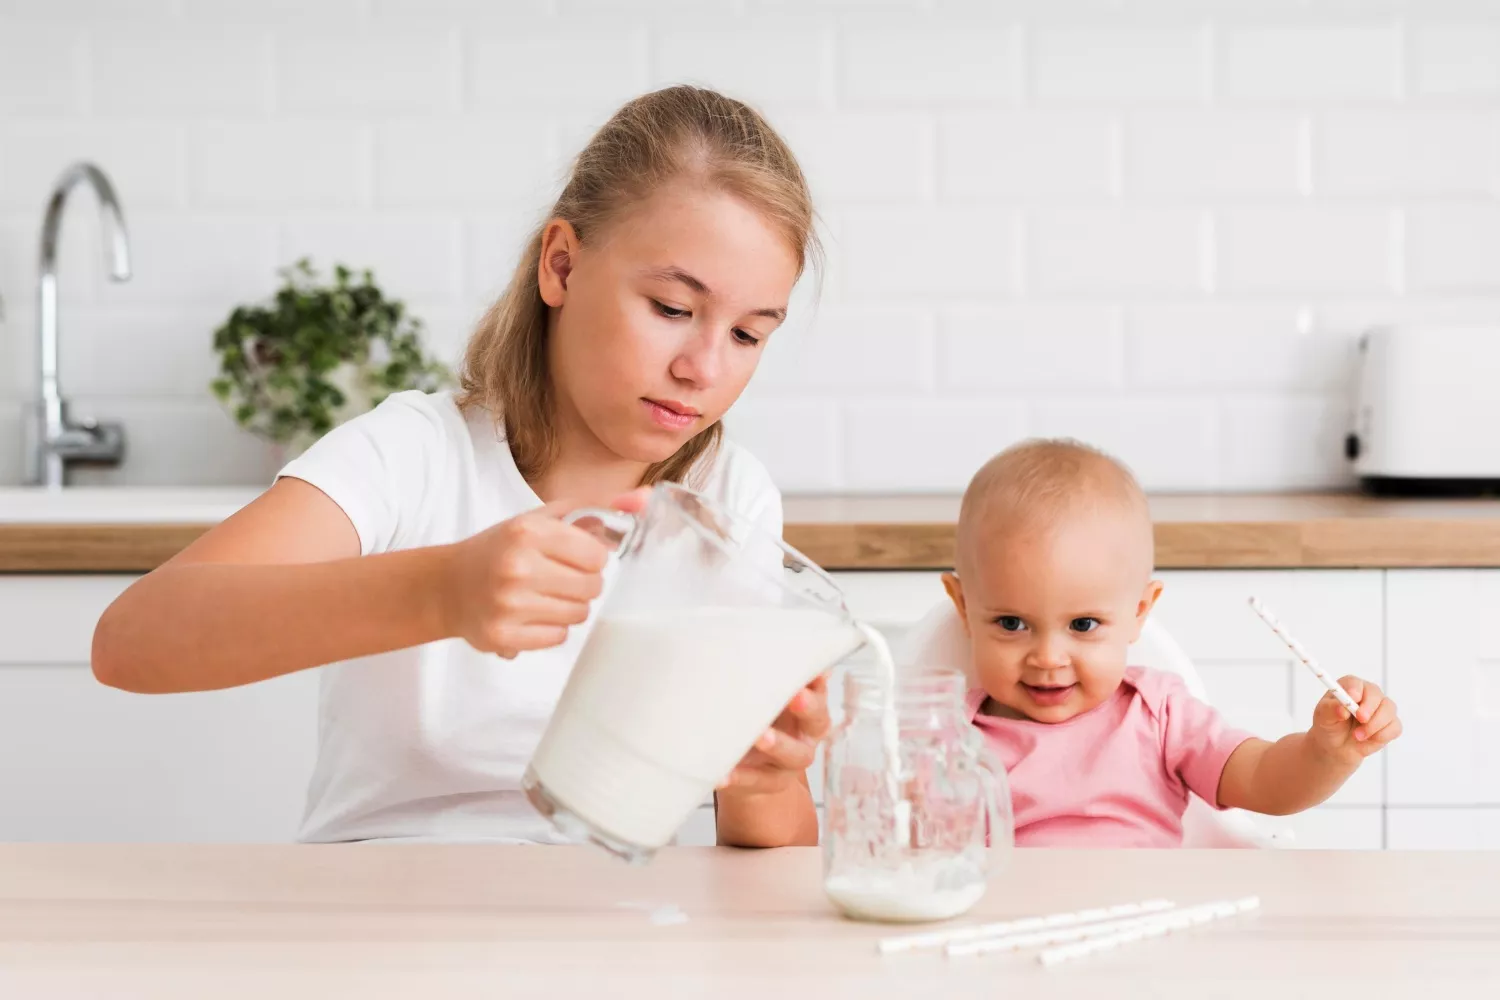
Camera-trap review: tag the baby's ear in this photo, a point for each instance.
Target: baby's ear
(955, 591)
(1148, 601)
(1144, 606)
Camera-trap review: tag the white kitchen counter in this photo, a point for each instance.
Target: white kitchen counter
(121, 504)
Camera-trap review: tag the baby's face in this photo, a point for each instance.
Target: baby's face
(1050, 613)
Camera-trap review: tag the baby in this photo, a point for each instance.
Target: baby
(1053, 583)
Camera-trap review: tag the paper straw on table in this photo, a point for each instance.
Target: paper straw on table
(1048, 936)
(936, 939)
(1149, 927)
(1302, 654)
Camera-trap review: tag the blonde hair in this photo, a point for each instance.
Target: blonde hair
(677, 133)
(1039, 481)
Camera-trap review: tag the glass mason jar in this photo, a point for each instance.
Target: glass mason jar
(918, 842)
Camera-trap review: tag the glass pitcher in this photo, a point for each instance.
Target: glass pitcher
(924, 845)
(710, 627)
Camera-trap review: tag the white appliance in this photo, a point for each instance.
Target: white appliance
(1427, 411)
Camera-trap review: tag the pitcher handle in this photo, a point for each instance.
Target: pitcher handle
(1002, 830)
(614, 528)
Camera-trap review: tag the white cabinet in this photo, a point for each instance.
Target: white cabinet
(1350, 828)
(1464, 828)
(1443, 662)
(700, 830)
(79, 761)
(889, 600)
(50, 619)
(82, 762)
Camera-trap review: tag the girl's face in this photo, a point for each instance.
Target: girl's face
(658, 323)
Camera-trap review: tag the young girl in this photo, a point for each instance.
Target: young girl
(412, 543)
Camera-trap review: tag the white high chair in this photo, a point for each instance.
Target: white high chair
(939, 640)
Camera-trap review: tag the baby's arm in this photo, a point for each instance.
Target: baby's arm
(1299, 771)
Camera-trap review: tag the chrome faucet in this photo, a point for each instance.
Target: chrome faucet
(56, 442)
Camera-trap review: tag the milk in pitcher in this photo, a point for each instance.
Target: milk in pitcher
(662, 705)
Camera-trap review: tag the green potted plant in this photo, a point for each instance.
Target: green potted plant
(316, 354)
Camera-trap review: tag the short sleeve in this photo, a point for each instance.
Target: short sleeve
(739, 482)
(768, 515)
(742, 486)
(377, 467)
(1196, 741)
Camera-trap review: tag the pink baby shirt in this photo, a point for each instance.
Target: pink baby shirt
(1119, 774)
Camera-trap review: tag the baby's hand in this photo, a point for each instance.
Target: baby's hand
(1376, 725)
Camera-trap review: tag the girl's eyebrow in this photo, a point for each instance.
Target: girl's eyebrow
(674, 273)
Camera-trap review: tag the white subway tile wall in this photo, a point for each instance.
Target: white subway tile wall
(1158, 226)
(1217, 154)
(1311, 62)
(410, 69)
(1120, 65)
(1316, 248)
(171, 71)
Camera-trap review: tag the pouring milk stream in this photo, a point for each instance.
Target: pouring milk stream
(711, 627)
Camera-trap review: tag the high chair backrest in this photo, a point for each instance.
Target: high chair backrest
(939, 640)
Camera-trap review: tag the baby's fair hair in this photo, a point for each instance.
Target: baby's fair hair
(682, 134)
(1038, 483)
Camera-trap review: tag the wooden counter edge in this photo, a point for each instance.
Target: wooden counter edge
(1326, 543)
(92, 548)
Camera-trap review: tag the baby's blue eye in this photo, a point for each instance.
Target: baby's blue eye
(1084, 624)
(1010, 623)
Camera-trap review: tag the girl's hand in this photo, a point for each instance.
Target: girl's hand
(784, 752)
(1376, 725)
(524, 582)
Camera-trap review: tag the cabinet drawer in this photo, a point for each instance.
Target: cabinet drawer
(700, 830)
(51, 619)
(1331, 827)
(1337, 614)
(1444, 763)
(1443, 652)
(888, 598)
(1443, 669)
(1443, 829)
(90, 763)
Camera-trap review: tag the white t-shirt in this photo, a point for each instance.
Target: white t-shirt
(432, 741)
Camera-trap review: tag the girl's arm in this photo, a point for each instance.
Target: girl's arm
(281, 586)
(277, 587)
(766, 801)
(783, 818)
(1299, 771)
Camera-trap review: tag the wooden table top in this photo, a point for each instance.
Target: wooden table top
(167, 921)
(916, 533)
